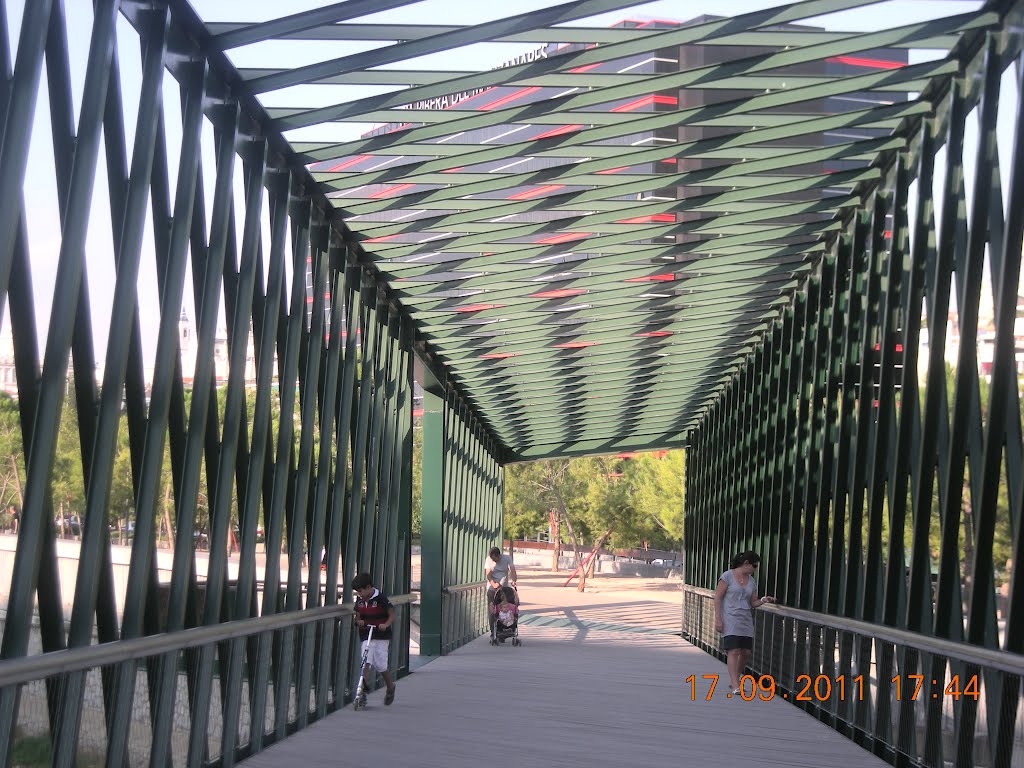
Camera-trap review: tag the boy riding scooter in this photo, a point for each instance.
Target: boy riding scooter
(374, 615)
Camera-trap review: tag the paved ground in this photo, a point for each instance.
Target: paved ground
(599, 681)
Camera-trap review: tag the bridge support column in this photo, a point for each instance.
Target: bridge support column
(431, 532)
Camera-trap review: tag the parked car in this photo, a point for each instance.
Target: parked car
(71, 526)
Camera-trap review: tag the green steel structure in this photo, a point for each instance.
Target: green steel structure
(872, 481)
(461, 521)
(605, 245)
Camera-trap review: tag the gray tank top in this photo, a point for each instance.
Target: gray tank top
(498, 570)
(736, 613)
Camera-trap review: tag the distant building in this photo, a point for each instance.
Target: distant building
(8, 379)
(189, 346)
(987, 336)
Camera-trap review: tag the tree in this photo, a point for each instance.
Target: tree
(619, 499)
(659, 482)
(535, 489)
(417, 479)
(121, 501)
(564, 482)
(609, 505)
(12, 470)
(525, 511)
(67, 485)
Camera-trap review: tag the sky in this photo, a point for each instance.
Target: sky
(40, 187)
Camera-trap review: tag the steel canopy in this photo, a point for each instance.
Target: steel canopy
(591, 238)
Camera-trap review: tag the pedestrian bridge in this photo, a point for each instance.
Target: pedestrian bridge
(282, 282)
(601, 678)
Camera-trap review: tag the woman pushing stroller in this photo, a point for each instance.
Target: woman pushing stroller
(501, 575)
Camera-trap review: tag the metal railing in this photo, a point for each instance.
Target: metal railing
(262, 716)
(463, 614)
(899, 694)
(298, 440)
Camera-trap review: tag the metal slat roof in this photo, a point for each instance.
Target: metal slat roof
(590, 238)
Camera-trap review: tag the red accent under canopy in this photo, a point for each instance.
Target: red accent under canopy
(478, 307)
(863, 61)
(577, 344)
(557, 293)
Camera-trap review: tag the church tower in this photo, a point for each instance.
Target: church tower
(187, 347)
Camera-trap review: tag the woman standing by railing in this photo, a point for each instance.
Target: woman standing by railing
(735, 596)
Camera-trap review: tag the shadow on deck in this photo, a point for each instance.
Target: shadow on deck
(598, 681)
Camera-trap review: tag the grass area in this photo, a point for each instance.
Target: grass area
(35, 752)
(31, 751)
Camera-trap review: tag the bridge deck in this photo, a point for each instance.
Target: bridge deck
(598, 681)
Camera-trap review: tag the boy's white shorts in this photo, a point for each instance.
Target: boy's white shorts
(378, 656)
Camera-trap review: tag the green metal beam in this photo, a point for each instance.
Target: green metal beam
(247, 34)
(499, 230)
(657, 308)
(738, 145)
(469, 282)
(755, 236)
(691, 35)
(574, 34)
(411, 49)
(756, 121)
(669, 82)
(635, 442)
(611, 223)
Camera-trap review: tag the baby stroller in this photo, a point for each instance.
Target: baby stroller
(506, 619)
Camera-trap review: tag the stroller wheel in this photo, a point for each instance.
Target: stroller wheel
(517, 642)
(494, 641)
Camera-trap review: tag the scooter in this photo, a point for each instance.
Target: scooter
(360, 700)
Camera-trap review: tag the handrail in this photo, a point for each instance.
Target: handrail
(462, 588)
(29, 668)
(1004, 661)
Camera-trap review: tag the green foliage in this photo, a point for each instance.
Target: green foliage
(12, 469)
(659, 486)
(33, 751)
(526, 511)
(1002, 543)
(610, 503)
(632, 499)
(121, 502)
(417, 480)
(67, 484)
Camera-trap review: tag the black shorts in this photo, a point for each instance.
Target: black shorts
(737, 642)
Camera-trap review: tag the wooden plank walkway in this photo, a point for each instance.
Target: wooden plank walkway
(598, 681)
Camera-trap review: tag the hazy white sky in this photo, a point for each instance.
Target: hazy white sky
(40, 188)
